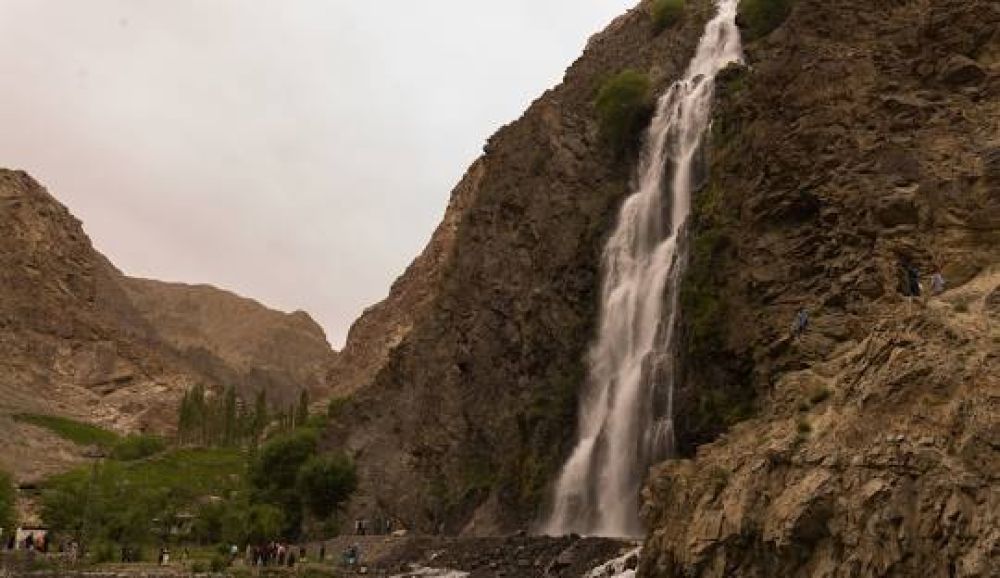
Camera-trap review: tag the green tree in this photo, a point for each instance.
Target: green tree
(184, 418)
(276, 467)
(198, 417)
(325, 483)
(260, 417)
(73, 505)
(230, 425)
(8, 498)
(624, 105)
(666, 13)
(264, 523)
(302, 413)
(274, 473)
(760, 17)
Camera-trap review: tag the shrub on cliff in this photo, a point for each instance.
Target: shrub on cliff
(760, 17)
(7, 494)
(666, 13)
(624, 105)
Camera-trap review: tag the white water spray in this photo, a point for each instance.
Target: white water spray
(626, 414)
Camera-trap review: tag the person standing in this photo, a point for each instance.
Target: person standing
(801, 323)
(937, 283)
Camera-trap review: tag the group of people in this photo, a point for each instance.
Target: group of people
(276, 554)
(910, 285)
(32, 542)
(378, 526)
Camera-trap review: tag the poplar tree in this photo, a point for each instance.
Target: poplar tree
(229, 437)
(302, 415)
(260, 417)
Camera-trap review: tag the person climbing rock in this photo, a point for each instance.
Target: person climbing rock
(913, 277)
(801, 323)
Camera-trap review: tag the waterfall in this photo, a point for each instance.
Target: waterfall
(626, 413)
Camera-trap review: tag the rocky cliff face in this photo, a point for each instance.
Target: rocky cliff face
(862, 134)
(79, 339)
(384, 326)
(70, 340)
(471, 406)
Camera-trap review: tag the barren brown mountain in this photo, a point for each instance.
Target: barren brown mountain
(79, 339)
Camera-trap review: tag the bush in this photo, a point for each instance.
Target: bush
(666, 13)
(137, 447)
(337, 407)
(104, 552)
(325, 483)
(624, 106)
(8, 497)
(218, 564)
(760, 17)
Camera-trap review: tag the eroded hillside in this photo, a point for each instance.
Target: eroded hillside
(235, 340)
(79, 339)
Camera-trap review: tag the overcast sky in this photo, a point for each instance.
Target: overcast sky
(299, 152)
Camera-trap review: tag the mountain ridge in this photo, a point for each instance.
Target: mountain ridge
(81, 340)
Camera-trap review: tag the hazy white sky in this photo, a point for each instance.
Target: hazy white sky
(299, 152)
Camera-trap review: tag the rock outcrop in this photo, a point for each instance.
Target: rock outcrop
(861, 135)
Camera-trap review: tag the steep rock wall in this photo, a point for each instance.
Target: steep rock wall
(862, 134)
(469, 416)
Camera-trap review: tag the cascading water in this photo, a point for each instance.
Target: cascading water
(626, 414)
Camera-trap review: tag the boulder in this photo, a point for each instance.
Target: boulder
(897, 209)
(958, 70)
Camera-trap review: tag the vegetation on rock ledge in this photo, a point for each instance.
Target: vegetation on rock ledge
(624, 106)
(759, 18)
(666, 13)
(78, 432)
(7, 499)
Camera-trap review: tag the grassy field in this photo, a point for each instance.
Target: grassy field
(193, 472)
(75, 431)
(184, 474)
